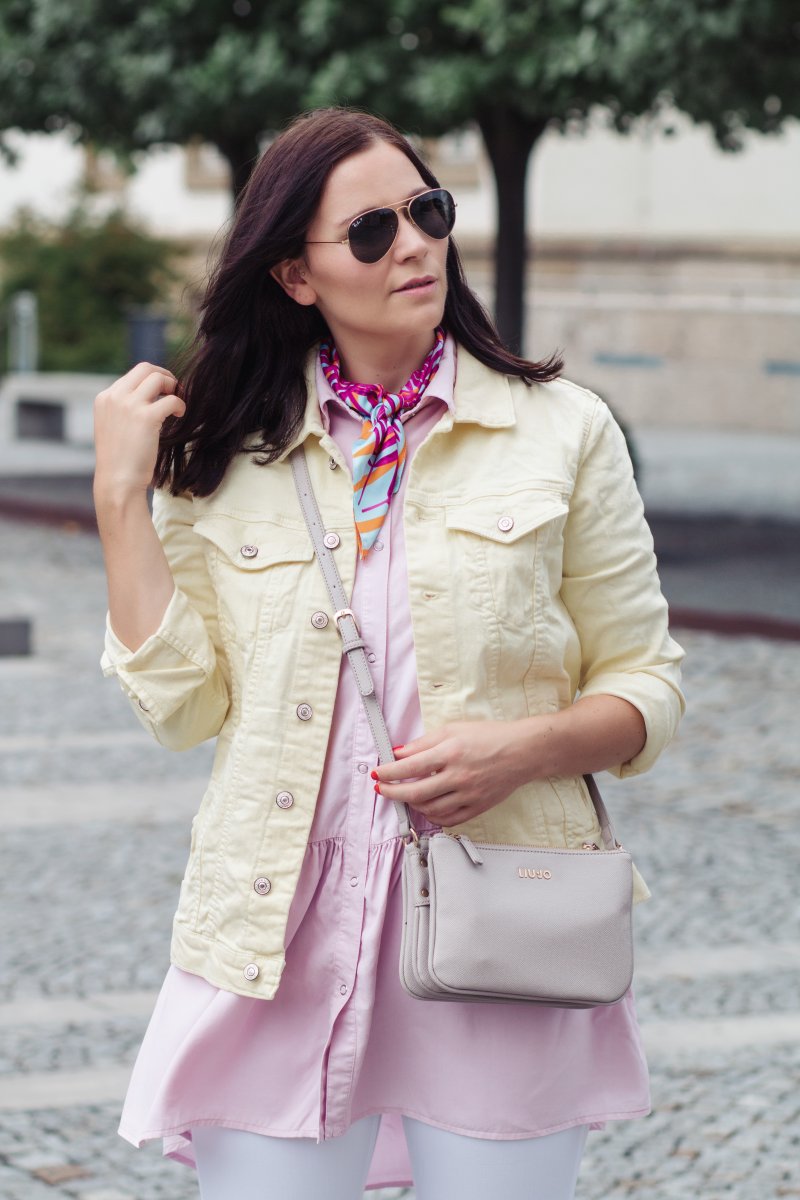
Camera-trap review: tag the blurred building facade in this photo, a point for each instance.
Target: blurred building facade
(666, 270)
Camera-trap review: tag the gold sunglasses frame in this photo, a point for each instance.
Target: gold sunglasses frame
(405, 207)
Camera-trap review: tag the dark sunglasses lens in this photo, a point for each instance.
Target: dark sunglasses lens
(371, 236)
(434, 213)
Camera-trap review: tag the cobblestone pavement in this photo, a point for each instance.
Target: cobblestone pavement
(95, 830)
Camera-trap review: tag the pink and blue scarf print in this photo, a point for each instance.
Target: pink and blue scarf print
(379, 454)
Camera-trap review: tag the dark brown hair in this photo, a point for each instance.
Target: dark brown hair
(244, 372)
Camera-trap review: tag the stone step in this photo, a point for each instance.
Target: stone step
(74, 804)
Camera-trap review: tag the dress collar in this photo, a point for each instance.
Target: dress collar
(440, 387)
(480, 395)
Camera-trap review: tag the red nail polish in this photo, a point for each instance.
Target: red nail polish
(378, 789)
(373, 774)
(395, 748)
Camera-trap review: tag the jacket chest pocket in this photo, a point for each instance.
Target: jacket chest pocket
(257, 568)
(495, 547)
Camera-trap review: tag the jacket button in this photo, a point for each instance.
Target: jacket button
(305, 712)
(332, 463)
(249, 551)
(284, 799)
(319, 620)
(262, 886)
(505, 523)
(142, 706)
(331, 540)
(250, 971)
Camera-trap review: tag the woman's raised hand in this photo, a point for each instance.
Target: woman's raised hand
(128, 417)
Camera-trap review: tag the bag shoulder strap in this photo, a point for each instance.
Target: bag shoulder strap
(353, 647)
(344, 617)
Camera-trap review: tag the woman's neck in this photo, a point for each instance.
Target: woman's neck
(390, 364)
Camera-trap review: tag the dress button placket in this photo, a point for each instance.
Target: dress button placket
(361, 830)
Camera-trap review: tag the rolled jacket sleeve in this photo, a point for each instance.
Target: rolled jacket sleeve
(178, 680)
(612, 592)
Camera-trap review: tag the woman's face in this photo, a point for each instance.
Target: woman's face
(358, 299)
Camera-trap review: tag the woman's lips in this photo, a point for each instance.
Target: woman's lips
(421, 285)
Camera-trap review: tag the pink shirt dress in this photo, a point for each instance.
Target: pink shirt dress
(341, 1039)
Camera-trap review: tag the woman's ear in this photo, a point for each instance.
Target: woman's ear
(290, 275)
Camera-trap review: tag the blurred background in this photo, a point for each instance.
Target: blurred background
(628, 187)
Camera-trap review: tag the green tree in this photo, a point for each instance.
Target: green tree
(129, 75)
(520, 67)
(86, 275)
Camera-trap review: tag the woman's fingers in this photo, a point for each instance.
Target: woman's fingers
(129, 415)
(421, 794)
(447, 808)
(421, 763)
(418, 792)
(155, 384)
(143, 369)
(128, 382)
(166, 406)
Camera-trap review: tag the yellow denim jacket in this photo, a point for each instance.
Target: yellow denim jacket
(510, 619)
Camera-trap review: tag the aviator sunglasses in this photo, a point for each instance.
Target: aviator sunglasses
(371, 235)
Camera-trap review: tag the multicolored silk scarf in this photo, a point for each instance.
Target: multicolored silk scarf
(379, 454)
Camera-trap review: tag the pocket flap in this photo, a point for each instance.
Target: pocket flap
(253, 545)
(505, 518)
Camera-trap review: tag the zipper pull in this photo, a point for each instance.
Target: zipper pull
(469, 847)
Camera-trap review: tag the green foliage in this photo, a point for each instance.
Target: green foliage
(85, 275)
(129, 74)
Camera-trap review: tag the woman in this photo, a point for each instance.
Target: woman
(490, 536)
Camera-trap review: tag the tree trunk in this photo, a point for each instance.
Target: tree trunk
(241, 154)
(509, 138)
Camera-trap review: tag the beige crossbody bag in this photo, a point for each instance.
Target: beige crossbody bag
(491, 922)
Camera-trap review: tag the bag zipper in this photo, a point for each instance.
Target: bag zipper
(469, 847)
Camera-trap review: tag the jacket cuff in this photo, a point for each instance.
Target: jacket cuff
(169, 664)
(658, 698)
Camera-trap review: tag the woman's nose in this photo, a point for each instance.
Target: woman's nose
(410, 239)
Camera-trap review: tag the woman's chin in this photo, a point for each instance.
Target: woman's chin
(418, 316)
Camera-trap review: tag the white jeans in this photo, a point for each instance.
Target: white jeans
(235, 1165)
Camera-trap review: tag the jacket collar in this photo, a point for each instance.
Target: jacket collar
(481, 395)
